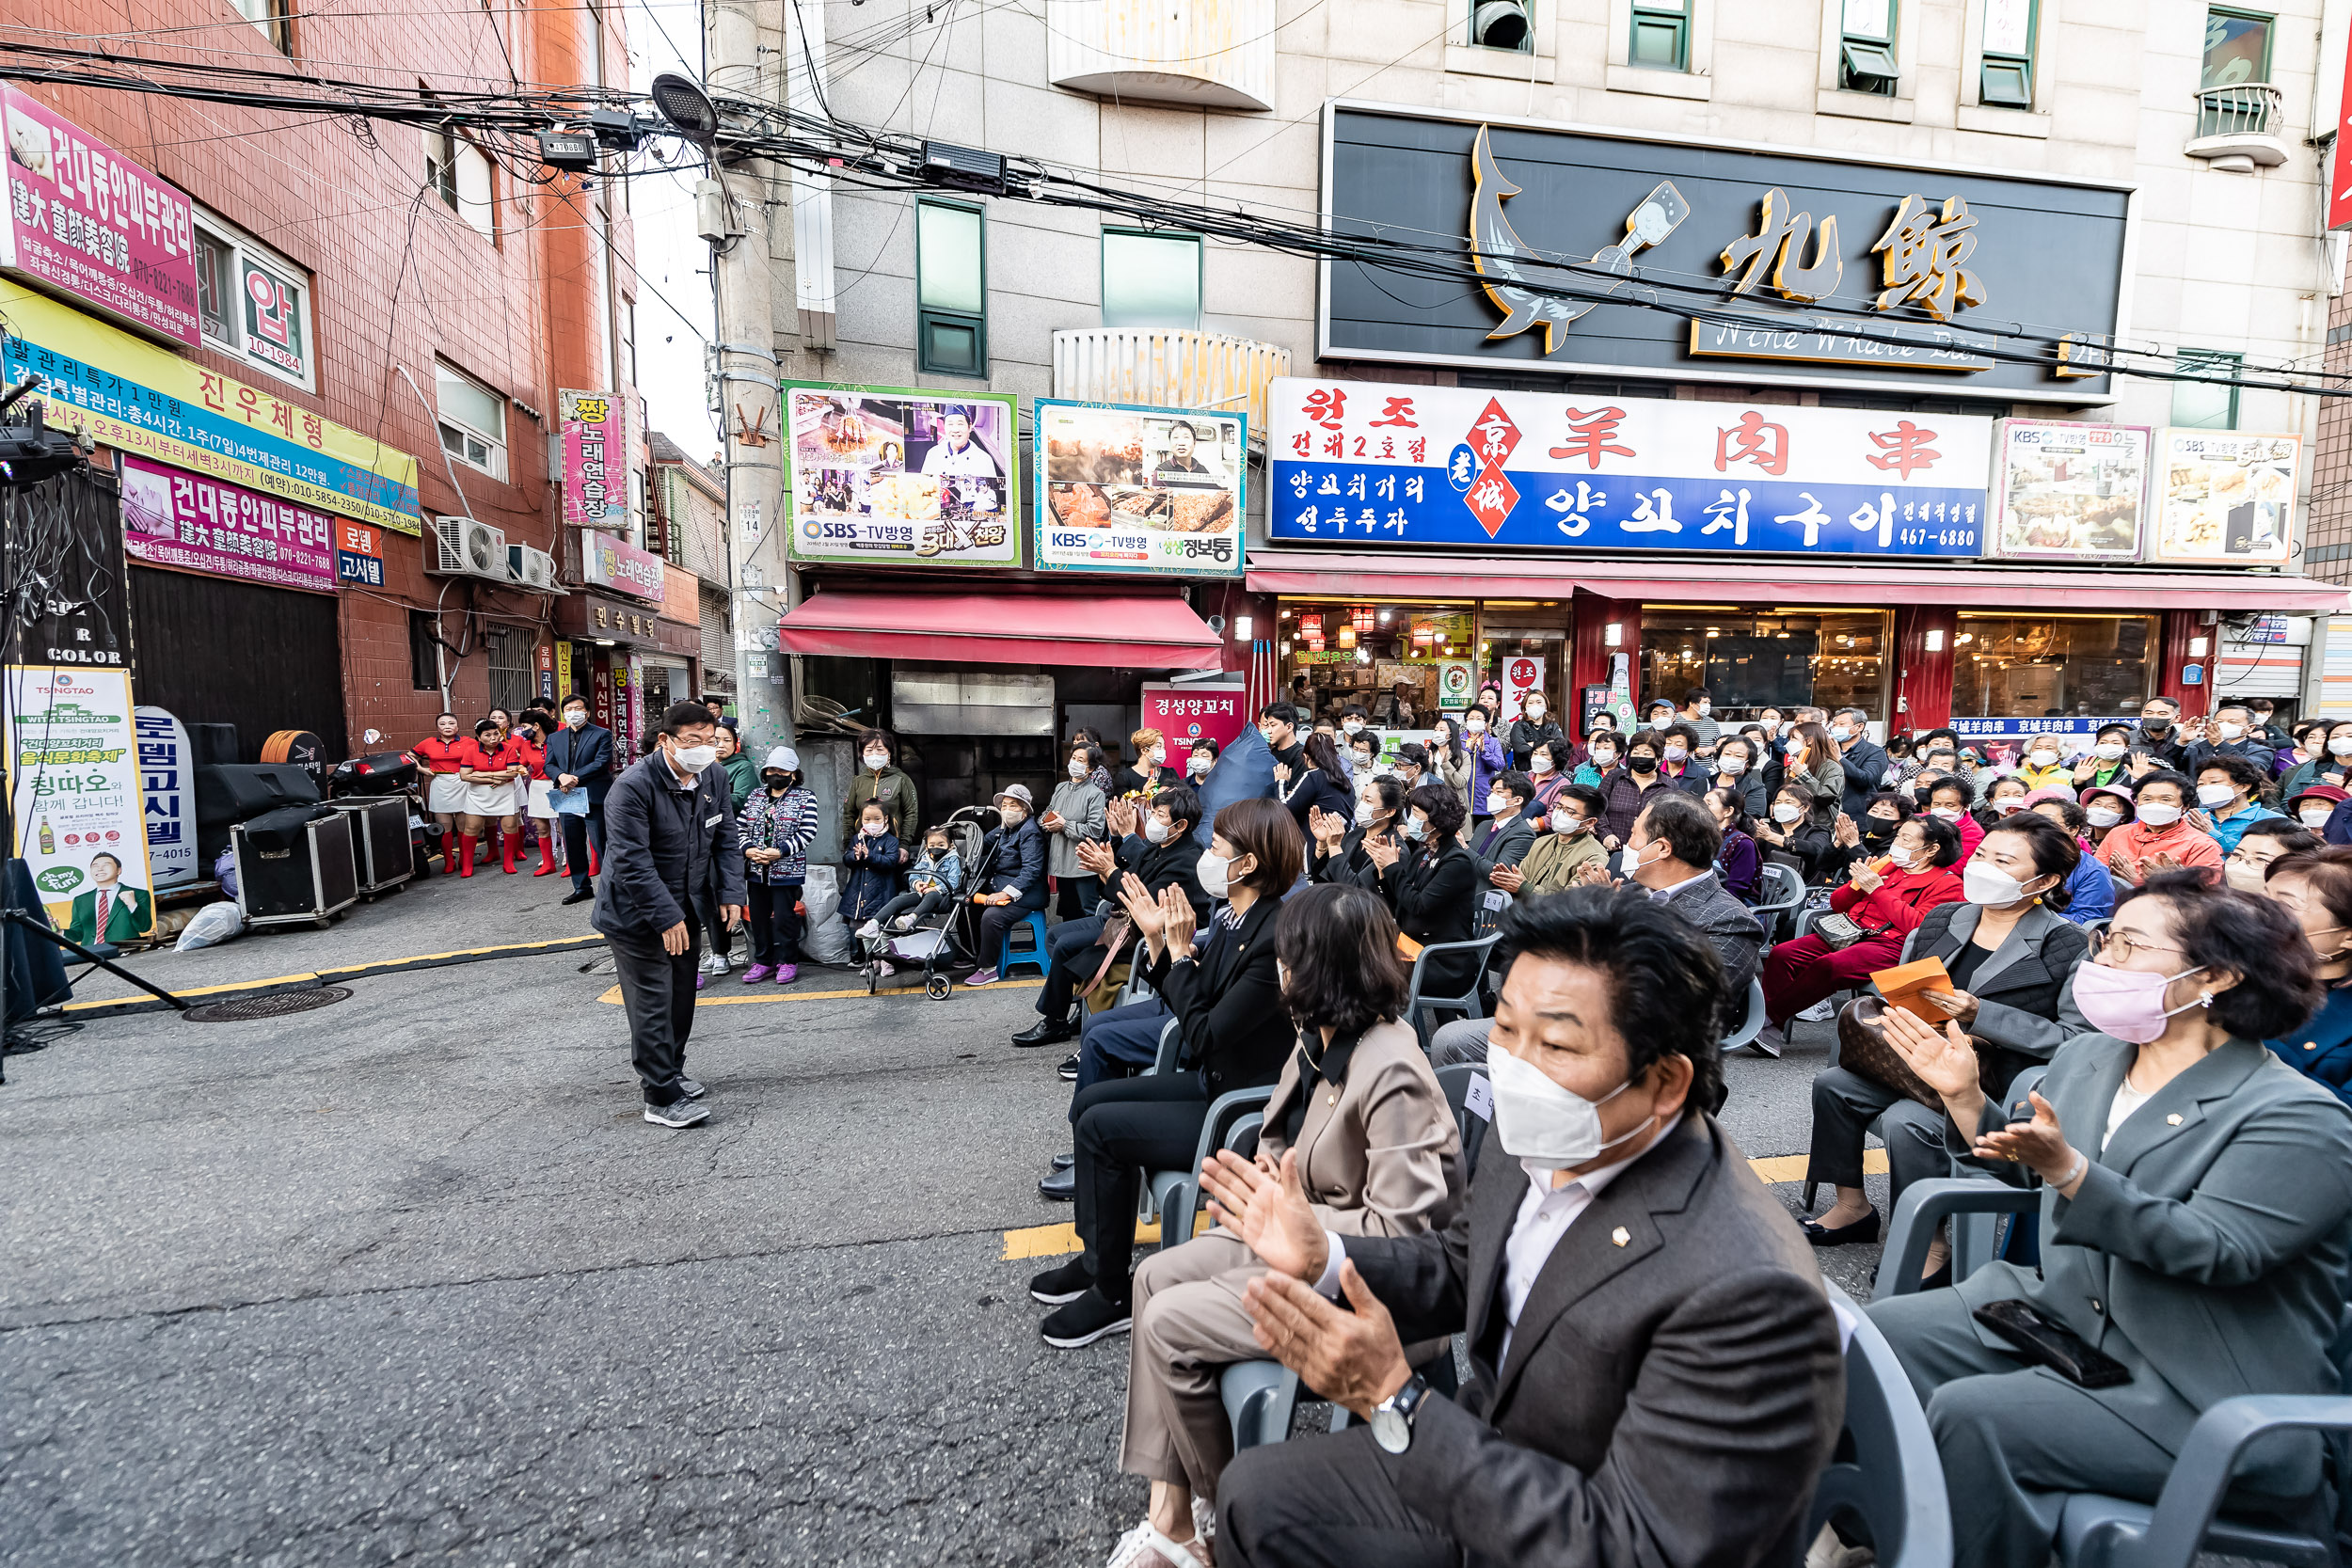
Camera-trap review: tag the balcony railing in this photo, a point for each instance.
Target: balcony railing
(2240, 125)
(1168, 368)
(1195, 53)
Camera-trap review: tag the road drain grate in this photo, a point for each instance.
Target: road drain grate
(244, 1009)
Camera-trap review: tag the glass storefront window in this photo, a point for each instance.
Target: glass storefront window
(2052, 666)
(1333, 651)
(1750, 661)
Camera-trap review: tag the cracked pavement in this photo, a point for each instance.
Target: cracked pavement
(406, 1279)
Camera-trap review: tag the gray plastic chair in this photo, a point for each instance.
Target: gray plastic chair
(1751, 1026)
(1974, 1205)
(1784, 890)
(1885, 1473)
(1175, 1195)
(1457, 1081)
(1136, 989)
(1469, 1003)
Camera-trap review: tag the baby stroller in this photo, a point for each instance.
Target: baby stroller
(949, 940)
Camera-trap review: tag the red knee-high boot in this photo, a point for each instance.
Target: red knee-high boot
(508, 842)
(547, 853)
(448, 853)
(592, 857)
(465, 852)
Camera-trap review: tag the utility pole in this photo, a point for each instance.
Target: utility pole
(755, 346)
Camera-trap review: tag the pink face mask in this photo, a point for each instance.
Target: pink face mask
(2127, 1003)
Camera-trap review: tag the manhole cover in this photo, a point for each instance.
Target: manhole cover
(244, 1009)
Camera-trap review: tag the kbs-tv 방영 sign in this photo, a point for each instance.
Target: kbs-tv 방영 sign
(1139, 489)
(886, 476)
(1599, 251)
(1380, 463)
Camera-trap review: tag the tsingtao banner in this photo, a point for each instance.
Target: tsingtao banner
(78, 798)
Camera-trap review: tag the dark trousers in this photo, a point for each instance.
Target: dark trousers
(995, 920)
(774, 922)
(922, 906)
(580, 833)
(1323, 1502)
(657, 993)
(1079, 895)
(1121, 1125)
(1844, 1105)
(1068, 964)
(1118, 1041)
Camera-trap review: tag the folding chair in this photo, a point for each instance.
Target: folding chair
(1470, 1004)
(1233, 1123)
(1784, 890)
(1751, 1024)
(1885, 1473)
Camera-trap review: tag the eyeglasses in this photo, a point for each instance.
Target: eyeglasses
(2124, 945)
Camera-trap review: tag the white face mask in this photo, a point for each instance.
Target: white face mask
(1353, 726)
(2110, 751)
(2103, 817)
(2043, 759)
(1367, 813)
(2215, 795)
(1731, 768)
(575, 718)
(1155, 756)
(1706, 708)
(878, 760)
(2229, 732)
(1676, 753)
(1566, 823)
(1215, 871)
(1534, 713)
(2159, 816)
(1539, 766)
(1077, 767)
(1841, 735)
(1013, 816)
(1948, 813)
(1476, 726)
(694, 758)
(2245, 876)
(1155, 830)
(1605, 756)
(1498, 804)
(873, 829)
(1982, 883)
(1198, 767)
(1783, 813)
(1899, 855)
(2007, 807)
(1546, 1126)
(2341, 746)
(2315, 817)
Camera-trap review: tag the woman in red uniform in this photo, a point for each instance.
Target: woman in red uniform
(488, 765)
(530, 789)
(439, 756)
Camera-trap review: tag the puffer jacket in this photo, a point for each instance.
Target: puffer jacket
(785, 822)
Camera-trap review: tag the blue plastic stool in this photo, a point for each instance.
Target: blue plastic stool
(1033, 955)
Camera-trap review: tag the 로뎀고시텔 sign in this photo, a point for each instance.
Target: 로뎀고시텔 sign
(1769, 265)
(1368, 463)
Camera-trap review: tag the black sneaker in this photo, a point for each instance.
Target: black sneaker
(1068, 1071)
(1091, 1317)
(679, 1113)
(1055, 1287)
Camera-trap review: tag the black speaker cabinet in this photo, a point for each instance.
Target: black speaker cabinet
(380, 831)
(292, 872)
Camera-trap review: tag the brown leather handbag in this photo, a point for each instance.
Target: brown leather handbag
(1863, 1050)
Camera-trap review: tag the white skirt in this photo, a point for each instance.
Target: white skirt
(540, 805)
(490, 800)
(446, 795)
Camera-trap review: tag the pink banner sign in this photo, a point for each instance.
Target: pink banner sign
(86, 220)
(617, 564)
(596, 460)
(1184, 713)
(175, 519)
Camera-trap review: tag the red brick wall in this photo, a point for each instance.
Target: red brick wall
(523, 314)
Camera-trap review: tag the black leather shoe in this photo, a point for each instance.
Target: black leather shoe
(580, 896)
(1064, 1161)
(1862, 1229)
(1060, 1187)
(1045, 1031)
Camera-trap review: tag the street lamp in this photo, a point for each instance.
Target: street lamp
(687, 107)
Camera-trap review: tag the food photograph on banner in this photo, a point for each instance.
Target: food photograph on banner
(1378, 464)
(886, 476)
(2064, 491)
(2225, 496)
(78, 799)
(1131, 489)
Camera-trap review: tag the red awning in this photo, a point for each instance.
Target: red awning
(1131, 631)
(1341, 574)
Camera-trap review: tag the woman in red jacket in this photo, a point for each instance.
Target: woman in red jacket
(438, 757)
(1886, 898)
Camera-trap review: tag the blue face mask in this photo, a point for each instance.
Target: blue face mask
(1416, 826)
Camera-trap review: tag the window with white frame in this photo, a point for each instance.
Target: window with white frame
(1661, 34)
(1150, 279)
(472, 421)
(2005, 81)
(459, 173)
(253, 302)
(271, 19)
(1866, 59)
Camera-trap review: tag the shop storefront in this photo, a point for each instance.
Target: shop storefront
(610, 649)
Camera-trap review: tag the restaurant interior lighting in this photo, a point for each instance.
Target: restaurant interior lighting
(1613, 634)
(1935, 639)
(2197, 647)
(1241, 629)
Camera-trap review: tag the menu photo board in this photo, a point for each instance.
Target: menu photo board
(1134, 489)
(2068, 491)
(2225, 496)
(893, 476)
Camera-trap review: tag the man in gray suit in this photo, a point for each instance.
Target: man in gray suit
(1654, 1370)
(669, 844)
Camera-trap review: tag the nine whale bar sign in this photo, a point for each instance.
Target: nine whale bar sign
(1804, 268)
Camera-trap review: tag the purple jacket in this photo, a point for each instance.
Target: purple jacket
(1489, 759)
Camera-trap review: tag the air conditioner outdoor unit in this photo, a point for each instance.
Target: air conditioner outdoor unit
(530, 567)
(462, 548)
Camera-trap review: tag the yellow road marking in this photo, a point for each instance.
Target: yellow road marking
(612, 996)
(1058, 1240)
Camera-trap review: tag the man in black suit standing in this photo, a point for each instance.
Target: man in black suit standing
(1656, 1374)
(580, 754)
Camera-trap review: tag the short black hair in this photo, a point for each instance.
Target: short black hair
(1595, 805)
(107, 855)
(1522, 788)
(2172, 703)
(2074, 818)
(2294, 838)
(1413, 753)
(2227, 703)
(1686, 825)
(2106, 730)
(490, 726)
(1392, 793)
(1207, 744)
(1942, 840)
(1688, 733)
(2241, 770)
(2218, 927)
(1263, 828)
(1352, 710)
(2164, 776)
(1181, 803)
(682, 714)
(1958, 783)
(867, 738)
(1668, 995)
(1090, 752)
(2055, 852)
(1338, 943)
(1735, 802)
(1282, 713)
(1696, 693)
(1905, 807)
(571, 697)
(1649, 738)
(1442, 806)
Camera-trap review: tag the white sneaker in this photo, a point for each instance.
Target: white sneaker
(720, 963)
(871, 930)
(1820, 1012)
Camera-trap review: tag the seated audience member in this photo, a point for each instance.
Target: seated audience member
(2106, 808)
(1430, 880)
(2042, 765)
(1886, 898)
(934, 878)
(2331, 764)
(2090, 891)
(2176, 1239)
(2108, 761)
(1883, 817)
(1602, 748)
(1376, 1146)
(1678, 760)
(2006, 798)
(2228, 800)
(2315, 807)
(2314, 884)
(1545, 772)
(2248, 867)
(1810, 762)
(1157, 846)
(1227, 1000)
(1739, 866)
(1802, 828)
(1317, 783)
(2158, 838)
(1949, 800)
(1509, 831)
(1567, 843)
(2010, 957)
(1016, 886)
(1336, 852)
(1655, 1375)
(1737, 767)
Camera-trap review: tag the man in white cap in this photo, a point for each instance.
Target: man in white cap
(777, 822)
(1016, 886)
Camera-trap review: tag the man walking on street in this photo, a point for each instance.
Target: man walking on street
(580, 754)
(669, 840)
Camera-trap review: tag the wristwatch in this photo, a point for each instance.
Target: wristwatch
(1392, 1418)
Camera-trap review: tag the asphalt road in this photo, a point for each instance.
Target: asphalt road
(406, 1278)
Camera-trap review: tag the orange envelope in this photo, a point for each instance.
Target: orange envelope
(1406, 948)
(1903, 985)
